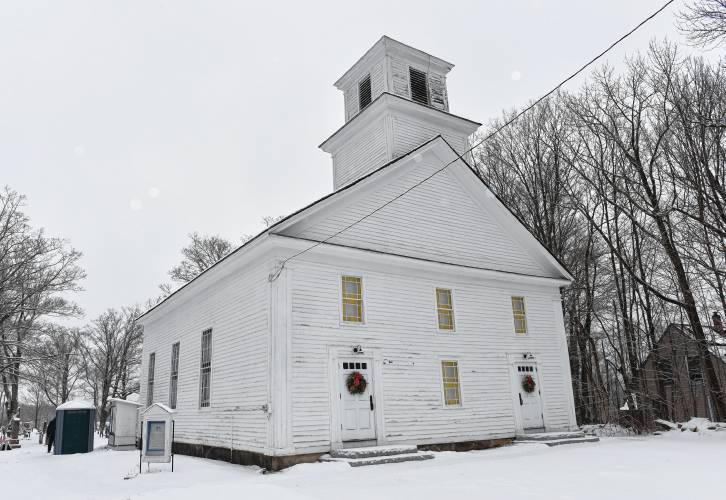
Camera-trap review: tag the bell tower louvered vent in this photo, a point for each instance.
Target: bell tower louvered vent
(364, 92)
(395, 100)
(419, 86)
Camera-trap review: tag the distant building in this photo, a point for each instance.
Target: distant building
(674, 373)
(417, 309)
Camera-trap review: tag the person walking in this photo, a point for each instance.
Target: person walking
(50, 434)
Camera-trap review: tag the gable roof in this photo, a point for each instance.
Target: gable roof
(287, 221)
(717, 349)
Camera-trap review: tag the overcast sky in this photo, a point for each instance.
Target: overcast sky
(129, 124)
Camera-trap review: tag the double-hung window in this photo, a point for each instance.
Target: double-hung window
(445, 309)
(205, 370)
(352, 299)
(150, 380)
(520, 316)
(450, 379)
(174, 375)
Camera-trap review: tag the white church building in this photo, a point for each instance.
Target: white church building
(409, 306)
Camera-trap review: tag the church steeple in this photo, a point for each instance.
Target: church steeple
(395, 99)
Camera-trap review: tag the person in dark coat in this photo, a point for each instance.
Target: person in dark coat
(50, 433)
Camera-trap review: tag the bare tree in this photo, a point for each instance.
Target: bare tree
(624, 182)
(57, 370)
(704, 22)
(35, 273)
(112, 350)
(202, 252)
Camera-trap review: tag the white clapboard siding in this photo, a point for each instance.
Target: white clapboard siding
(350, 95)
(409, 133)
(399, 78)
(370, 148)
(437, 90)
(378, 86)
(378, 80)
(361, 156)
(437, 221)
(400, 322)
(237, 309)
(436, 83)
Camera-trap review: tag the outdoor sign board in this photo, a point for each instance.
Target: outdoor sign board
(157, 435)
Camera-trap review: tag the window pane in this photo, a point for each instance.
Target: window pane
(150, 380)
(520, 316)
(352, 290)
(445, 309)
(450, 375)
(205, 369)
(174, 375)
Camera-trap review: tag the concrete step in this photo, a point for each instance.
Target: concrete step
(373, 451)
(550, 436)
(379, 460)
(560, 441)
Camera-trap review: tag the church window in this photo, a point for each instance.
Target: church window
(352, 291)
(520, 316)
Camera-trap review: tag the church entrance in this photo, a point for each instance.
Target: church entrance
(357, 408)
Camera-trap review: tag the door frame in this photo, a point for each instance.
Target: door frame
(515, 359)
(335, 355)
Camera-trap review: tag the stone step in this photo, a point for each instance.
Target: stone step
(379, 460)
(560, 441)
(373, 451)
(550, 436)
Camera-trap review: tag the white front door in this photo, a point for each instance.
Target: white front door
(530, 403)
(357, 418)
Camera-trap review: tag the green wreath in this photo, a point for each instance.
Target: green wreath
(356, 383)
(528, 383)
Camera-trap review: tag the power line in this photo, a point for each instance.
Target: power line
(460, 156)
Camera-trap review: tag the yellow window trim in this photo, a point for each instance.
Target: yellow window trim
(519, 315)
(451, 382)
(445, 308)
(352, 298)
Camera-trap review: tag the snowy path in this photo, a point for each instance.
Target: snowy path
(674, 466)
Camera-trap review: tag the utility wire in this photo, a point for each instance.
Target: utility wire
(480, 142)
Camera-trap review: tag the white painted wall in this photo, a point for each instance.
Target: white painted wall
(367, 152)
(391, 74)
(237, 309)
(439, 220)
(400, 326)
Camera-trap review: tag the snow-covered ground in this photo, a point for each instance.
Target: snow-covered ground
(675, 465)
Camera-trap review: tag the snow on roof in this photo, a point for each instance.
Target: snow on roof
(133, 397)
(125, 401)
(160, 405)
(77, 405)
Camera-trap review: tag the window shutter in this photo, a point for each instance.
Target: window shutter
(437, 89)
(364, 93)
(419, 86)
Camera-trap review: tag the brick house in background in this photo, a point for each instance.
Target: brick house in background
(674, 374)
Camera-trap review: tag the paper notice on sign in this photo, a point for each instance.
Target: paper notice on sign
(156, 439)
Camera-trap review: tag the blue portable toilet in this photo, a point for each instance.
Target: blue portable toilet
(74, 426)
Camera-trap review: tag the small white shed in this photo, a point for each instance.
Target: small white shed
(122, 422)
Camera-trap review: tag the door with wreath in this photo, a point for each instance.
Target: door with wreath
(357, 411)
(530, 398)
